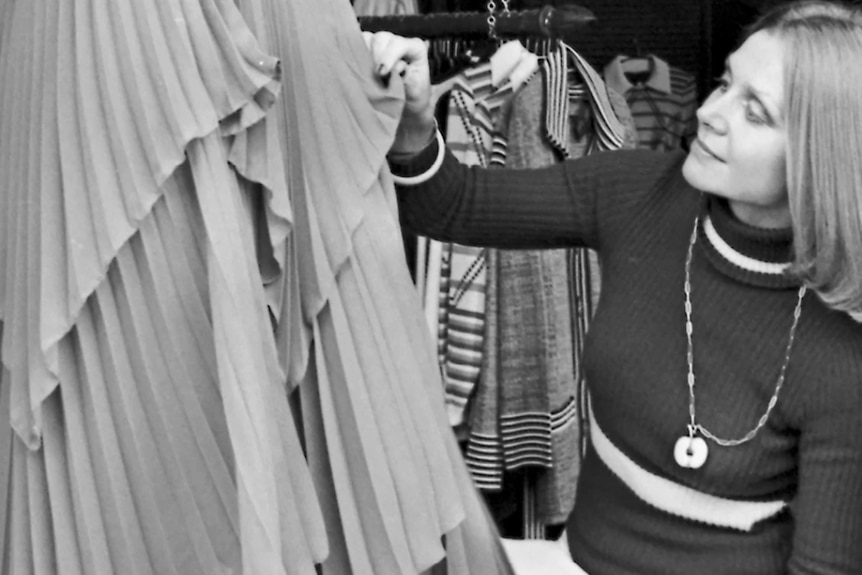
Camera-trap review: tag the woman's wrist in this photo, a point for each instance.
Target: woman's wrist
(417, 168)
(415, 133)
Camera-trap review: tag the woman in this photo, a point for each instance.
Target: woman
(725, 358)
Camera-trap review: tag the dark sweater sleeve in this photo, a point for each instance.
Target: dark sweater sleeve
(828, 507)
(555, 206)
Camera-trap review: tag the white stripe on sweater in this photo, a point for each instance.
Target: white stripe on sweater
(736, 258)
(677, 499)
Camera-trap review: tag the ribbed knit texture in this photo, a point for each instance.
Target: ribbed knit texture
(635, 208)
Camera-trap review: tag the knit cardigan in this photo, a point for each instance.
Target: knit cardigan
(637, 211)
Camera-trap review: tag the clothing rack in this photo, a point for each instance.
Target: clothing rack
(547, 22)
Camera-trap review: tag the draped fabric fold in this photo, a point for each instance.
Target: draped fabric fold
(105, 99)
(371, 396)
(197, 228)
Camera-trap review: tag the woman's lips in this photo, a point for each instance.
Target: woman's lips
(706, 150)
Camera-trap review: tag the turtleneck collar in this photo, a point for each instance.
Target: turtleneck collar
(756, 256)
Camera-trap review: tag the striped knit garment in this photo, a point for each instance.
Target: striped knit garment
(475, 103)
(526, 406)
(664, 110)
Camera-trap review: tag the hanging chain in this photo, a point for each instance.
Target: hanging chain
(492, 20)
(695, 427)
(492, 17)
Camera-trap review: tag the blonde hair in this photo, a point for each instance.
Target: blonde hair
(823, 40)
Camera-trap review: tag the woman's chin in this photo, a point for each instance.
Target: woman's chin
(696, 174)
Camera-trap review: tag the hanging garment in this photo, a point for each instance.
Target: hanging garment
(385, 7)
(663, 104)
(159, 218)
(476, 101)
(140, 378)
(528, 395)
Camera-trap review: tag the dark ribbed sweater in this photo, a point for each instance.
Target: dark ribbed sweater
(636, 209)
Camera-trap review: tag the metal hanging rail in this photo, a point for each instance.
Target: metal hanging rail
(549, 22)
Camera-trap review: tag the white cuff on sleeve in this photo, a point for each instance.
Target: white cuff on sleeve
(429, 173)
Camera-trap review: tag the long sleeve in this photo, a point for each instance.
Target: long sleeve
(555, 206)
(828, 506)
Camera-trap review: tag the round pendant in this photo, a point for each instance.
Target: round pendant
(690, 452)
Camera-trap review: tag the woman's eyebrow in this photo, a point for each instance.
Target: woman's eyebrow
(763, 98)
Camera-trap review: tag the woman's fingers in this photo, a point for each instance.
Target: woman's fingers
(385, 51)
(399, 68)
(367, 36)
(394, 55)
(391, 53)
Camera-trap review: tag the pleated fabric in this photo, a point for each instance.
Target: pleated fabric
(213, 357)
(385, 7)
(362, 359)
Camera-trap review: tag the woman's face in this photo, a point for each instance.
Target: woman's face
(740, 151)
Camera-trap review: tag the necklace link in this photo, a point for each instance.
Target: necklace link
(689, 329)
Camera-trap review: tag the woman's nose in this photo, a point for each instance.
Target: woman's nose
(711, 113)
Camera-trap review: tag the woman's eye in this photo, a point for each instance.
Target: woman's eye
(722, 84)
(754, 114)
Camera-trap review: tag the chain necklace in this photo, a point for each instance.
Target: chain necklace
(691, 449)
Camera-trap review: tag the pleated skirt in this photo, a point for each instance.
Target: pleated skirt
(214, 360)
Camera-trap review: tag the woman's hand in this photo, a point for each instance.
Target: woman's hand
(407, 58)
